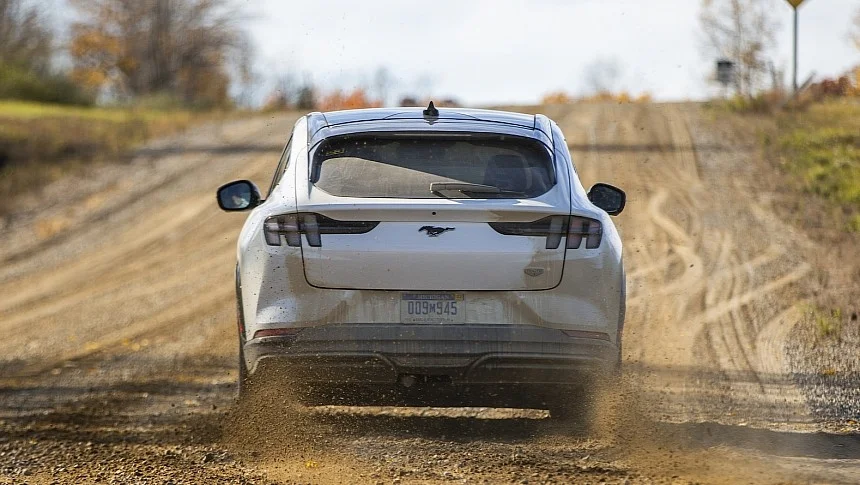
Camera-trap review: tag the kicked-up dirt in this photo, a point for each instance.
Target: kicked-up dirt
(117, 362)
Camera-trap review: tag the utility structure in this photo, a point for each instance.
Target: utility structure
(795, 4)
(725, 74)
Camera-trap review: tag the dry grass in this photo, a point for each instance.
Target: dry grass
(41, 142)
(828, 322)
(820, 147)
(817, 150)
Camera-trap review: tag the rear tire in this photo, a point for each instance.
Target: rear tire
(621, 318)
(243, 382)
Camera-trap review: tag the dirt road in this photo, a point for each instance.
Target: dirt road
(117, 362)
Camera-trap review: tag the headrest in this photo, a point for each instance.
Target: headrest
(509, 172)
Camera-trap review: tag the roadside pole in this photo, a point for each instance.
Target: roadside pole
(794, 5)
(794, 64)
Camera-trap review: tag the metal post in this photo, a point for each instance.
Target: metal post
(794, 70)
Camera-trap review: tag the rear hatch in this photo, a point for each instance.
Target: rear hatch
(442, 212)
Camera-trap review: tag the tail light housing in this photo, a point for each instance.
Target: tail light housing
(583, 227)
(575, 228)
(291, 227)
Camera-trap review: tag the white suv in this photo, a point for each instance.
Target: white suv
(397, 247)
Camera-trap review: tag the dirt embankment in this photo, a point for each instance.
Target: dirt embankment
(118, 355)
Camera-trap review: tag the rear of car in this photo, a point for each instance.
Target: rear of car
(396, 247)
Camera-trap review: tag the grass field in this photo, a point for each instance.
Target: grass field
(42, 142)
(820, 148)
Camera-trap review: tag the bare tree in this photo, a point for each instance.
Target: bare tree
(183, 48)
(245, 79)
(382, 84)
(855, 32)
(306, 98)
(601, 76)
(284, 93)
(424, 84)
(742, 31)
(25, 39)
(288, 86)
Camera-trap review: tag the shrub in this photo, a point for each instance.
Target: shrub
(827, 323)
(622, 97)
(355, 99)
(556, 97)
(828, 159)
(20, 84)
(40, 142)
(763, 103)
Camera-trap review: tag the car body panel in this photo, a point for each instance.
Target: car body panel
(396, 256)
(322, 131)
(283, 287)
(380, 353)
(333, 118)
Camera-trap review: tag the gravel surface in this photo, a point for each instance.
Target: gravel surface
(827, 368)
(118, 358)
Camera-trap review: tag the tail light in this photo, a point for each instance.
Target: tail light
(553, 228)
(583, 227)
(290, 227)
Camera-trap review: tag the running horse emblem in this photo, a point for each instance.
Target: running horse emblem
(434, 231)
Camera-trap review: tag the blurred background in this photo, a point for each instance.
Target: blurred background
(740, 156)
(140, 69)
(253, 54)
(137, 70)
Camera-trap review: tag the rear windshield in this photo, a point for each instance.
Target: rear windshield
(405, 167)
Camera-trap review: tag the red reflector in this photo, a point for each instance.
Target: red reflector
(276, 332)
(587, 334)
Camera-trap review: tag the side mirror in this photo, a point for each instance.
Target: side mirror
(238, 196)
(609, 198)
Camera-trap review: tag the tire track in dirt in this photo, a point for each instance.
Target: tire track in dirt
(706, 279)
(154, 264)
(713, 287)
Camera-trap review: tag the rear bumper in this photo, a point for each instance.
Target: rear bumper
(463, 354)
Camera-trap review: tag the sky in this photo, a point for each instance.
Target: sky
(485, 52)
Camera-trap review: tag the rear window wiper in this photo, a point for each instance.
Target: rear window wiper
(437, 187)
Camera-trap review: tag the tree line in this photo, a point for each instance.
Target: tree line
(190, 52)
(185, 52)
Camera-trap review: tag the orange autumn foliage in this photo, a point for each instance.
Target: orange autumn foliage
(560, 97)
(355, 99)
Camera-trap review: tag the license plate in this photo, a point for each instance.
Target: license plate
(432, 308)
